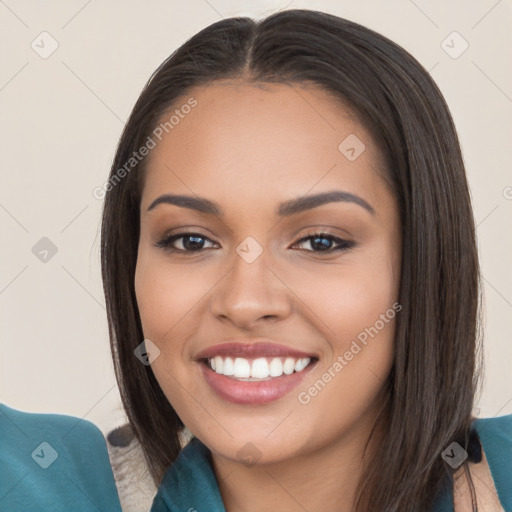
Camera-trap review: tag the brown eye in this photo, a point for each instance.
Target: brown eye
(322, 242)
(191, 242)
(195, 242)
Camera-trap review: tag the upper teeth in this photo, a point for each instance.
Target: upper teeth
(260, 368)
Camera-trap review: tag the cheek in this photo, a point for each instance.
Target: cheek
(359, 318)
(166, 295)
(167, 298)
(345, 300)
(354, 308)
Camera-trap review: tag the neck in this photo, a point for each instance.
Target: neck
(322, 480)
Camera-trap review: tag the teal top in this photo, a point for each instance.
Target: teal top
(54, 463)
(190, 483)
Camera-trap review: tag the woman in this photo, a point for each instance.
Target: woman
(291, 272)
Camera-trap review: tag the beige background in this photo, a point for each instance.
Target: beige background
(61, 118)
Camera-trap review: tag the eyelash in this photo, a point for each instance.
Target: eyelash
(343, 245)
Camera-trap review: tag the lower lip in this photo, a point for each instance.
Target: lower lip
(253, 392)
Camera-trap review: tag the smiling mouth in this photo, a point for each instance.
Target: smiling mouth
(257, 369)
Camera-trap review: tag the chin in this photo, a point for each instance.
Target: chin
(254, 442)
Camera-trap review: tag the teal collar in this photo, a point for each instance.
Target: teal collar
(190, 483)
(496, 438)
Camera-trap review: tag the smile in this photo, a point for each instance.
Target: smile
(254, 370)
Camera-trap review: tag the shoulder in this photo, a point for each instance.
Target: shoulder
(58, 461)
(494, 429)
(15, 422)
(492, 476)
(496, 438)
(76, 440)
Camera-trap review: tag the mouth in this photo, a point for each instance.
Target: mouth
(255, 373)
(256, 370)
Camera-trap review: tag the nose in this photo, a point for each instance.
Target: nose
(251, 293)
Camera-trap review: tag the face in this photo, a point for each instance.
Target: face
(292, 300)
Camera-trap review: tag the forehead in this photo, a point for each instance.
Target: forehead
(248, 142)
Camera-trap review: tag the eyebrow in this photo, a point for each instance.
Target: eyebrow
(285, 209)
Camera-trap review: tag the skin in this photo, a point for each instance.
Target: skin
(485, 491)
(249, 148)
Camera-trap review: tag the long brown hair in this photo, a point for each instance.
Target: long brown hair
(430, 390)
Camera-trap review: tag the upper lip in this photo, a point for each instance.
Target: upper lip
(250, 348)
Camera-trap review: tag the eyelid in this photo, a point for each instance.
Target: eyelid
(164, 241)
(343, 244)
